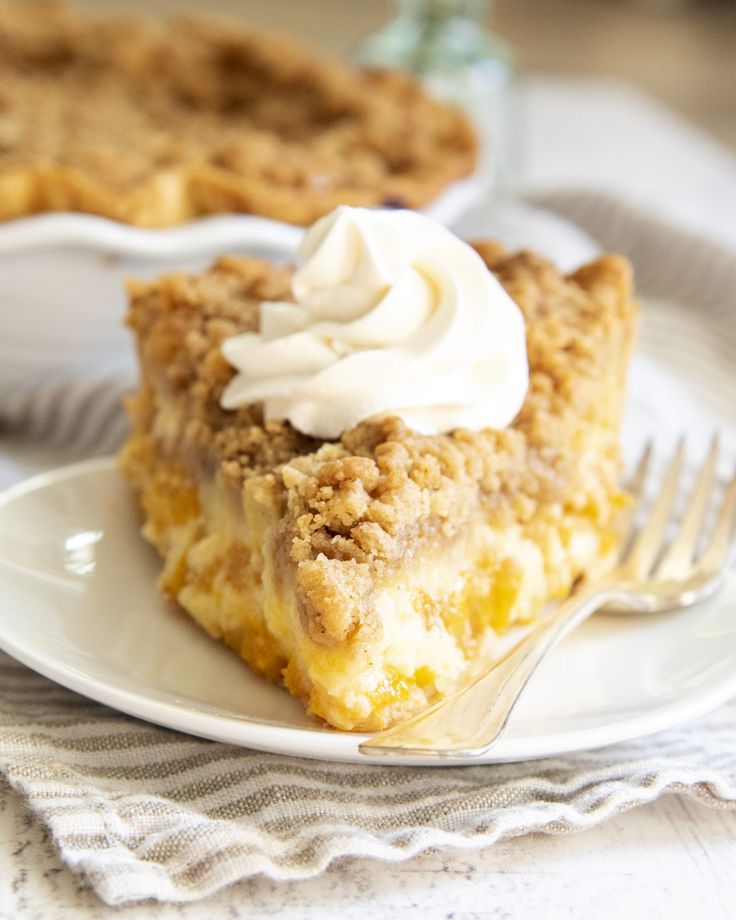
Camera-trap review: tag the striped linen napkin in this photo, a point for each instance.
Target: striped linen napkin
(143, 812)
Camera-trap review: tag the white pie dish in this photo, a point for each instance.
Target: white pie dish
(62, 281)
(62, 294)
(62, 276)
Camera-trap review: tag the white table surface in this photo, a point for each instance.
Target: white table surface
(673, 858)
(605, 134)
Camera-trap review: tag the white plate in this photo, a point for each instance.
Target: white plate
(79, 605)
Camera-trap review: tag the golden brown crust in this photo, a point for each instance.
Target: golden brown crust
(153, 124)
(361, 499)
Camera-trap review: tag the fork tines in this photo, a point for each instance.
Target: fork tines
(647, 554)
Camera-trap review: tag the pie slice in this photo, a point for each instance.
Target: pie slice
(373, 573)
(155, 123)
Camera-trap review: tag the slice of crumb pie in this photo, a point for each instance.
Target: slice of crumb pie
(359, 475)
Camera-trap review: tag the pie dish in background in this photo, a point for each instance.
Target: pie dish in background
(156, 124)
(62, 297)
(105, 115)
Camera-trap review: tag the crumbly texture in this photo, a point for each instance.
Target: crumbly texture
(357, 497)
(350, 508)
(372, 573)
(154, 124)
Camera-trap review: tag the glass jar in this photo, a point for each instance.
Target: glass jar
(444, 43)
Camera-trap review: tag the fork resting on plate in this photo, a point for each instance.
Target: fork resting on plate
(652, 574)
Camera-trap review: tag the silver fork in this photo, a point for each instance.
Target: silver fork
(651, 575)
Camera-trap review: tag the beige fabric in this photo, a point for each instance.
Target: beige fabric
(143, 812)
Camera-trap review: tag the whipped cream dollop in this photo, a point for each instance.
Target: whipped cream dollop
(393, 315)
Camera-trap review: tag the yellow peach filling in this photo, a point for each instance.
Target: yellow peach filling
(430, 638)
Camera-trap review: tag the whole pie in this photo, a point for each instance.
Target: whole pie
(154, 124)
(372, 572)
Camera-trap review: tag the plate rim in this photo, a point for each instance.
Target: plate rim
(302, 742)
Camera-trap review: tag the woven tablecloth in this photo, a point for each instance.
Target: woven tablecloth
(142, 812)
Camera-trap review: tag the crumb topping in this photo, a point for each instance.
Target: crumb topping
(365, 498)
(198, 116)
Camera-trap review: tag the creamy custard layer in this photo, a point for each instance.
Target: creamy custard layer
(428, 625)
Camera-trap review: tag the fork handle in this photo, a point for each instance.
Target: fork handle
(467, 722)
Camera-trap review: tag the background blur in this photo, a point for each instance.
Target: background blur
(683, 52)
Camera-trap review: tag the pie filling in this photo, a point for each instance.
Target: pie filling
(425, 627)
